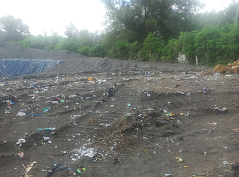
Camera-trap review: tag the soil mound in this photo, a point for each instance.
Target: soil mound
(231, 68)
(220, 69)
(73, 63)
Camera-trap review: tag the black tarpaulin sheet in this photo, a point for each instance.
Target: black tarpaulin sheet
(19, 67)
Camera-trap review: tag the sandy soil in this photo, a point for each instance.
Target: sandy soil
(115, 121)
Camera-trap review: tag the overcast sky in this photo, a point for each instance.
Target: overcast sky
(54, 15)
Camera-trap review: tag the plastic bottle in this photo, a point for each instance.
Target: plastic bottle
(46, 138)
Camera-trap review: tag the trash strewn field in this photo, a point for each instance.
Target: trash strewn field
(104, 117)
(137, 124)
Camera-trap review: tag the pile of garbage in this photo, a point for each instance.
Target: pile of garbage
(231, 68)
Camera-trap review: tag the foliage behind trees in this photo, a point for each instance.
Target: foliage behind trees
(152, 30)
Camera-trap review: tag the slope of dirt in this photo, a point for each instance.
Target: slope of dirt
(73, 63)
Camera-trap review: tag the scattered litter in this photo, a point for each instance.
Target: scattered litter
(21, 154)
(83, 151)
(46, 110)
(7, 111)
(78, 170)
(223, 109)
(57, 168)
(51, 129)
(92, 120)
(180, 160)
(20, 142)
(36, 115)
(177, 85)
(23, 165)
(235, 130)
(106, 125)
(225, 162)
(20, 114)
(46, 138)
(212, 124)
(28, 169)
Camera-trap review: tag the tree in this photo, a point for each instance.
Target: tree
(237, 14)
(13, 29)
(200, 20)
(153, 44)
(85, 38)
(133, 50)
(166, 17)
(71, 31)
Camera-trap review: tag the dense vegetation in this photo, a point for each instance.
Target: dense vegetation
(145, 30)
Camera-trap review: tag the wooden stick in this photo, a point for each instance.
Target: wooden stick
(118, 158)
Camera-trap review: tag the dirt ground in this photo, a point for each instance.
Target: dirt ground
(120, 121)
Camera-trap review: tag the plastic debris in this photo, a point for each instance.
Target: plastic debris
(21, 154)
(57, 168)
(20, 114)
(46, 110)
(29, 167)
(7, 111)
(20, 142)
(46, 138)
(223, 109)
(225, 162)
(78, 170)
(106, 125)
(51, 129)
(83, 151)
(92, 120)
(56, 99)
(180, 160)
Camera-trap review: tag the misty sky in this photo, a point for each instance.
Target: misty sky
(54, 15)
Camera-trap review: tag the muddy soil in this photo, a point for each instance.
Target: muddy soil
(121, 124)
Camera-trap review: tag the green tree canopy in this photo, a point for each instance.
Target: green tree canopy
(165, 17)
